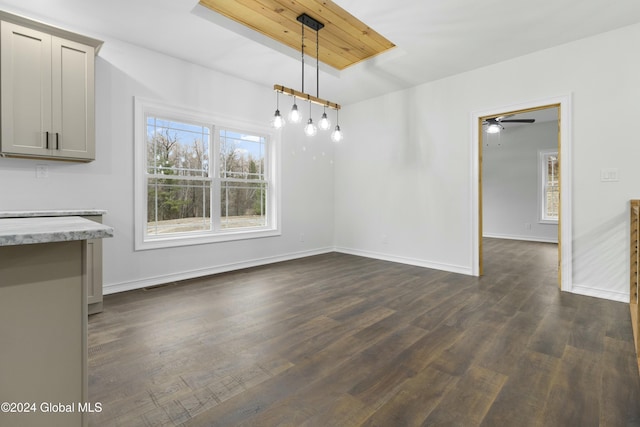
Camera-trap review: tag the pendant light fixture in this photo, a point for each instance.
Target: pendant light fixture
(277, 122)
(324, 122)
(310, 128)
(294, 114)
(336, 135)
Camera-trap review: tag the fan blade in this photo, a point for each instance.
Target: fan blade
(518, 121)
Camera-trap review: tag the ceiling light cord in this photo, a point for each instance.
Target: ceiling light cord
(317, 65)
(302, 50)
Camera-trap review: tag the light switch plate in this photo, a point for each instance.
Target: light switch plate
(609, 175)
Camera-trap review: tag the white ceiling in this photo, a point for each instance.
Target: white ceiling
(434, 38)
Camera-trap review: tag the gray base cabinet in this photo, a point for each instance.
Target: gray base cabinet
(92, 251)
(43, 320)
(43, 325)
(93, 270)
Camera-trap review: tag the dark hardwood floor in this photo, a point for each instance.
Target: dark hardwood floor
(339, 340)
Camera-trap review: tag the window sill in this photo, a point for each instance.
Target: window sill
(203, 239)
(548, 221)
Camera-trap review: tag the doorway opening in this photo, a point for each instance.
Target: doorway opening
(522, 115)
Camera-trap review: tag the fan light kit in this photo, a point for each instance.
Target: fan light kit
(494, 125)
(294, 116)
(494, 128)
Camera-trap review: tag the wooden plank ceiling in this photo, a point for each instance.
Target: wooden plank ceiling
(344, 40)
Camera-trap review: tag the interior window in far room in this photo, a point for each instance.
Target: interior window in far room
(549, 167)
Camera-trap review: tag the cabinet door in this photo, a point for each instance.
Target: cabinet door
(73, 100)
(25, 81)
(93, 270)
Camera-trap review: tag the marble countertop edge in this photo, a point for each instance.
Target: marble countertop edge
(33, 230)
(51, 213)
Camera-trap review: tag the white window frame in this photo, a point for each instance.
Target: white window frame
(543, 155)
(143, 241)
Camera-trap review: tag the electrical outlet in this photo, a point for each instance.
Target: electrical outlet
(42, 171)
(527, 226)
(302, 237)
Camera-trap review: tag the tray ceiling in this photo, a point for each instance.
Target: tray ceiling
(344, 40)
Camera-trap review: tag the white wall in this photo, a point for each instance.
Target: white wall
(407, 174)
(124, 71)
(511, 181)
(401, 184)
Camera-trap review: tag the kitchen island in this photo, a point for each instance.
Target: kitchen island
(43, 319)
(93, 278)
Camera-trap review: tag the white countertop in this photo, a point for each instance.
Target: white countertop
(24, 231)
(52, 212)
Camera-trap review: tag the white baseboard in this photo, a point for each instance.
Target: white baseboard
(175, 277)
(404, 260)
(600, 293)
(516, 237)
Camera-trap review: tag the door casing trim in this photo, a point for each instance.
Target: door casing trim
(565, 143)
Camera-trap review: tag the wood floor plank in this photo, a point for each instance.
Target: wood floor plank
(553, 332)
(618, 398)
(378, 357)
(430, 347)
(342, 340)
(468, 402)
(523, 398)
(415, 401)
(319, 342)
(456, 359)
(344, 410)
(573, 398)
(450, 306)
(509, 344)
(291, 412)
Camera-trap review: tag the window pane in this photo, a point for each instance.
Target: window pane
(551, 186)
(552, 169)
(178, 205)
(195, 186)
(552, 201)
(243, 204)
(241, 155)
(175, 148)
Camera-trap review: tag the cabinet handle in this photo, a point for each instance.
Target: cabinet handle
(46, 140)
(57, 141)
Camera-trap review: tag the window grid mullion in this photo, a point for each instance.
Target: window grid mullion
(176, 183)
(215, 197)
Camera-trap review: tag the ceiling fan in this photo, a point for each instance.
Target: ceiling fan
(494, 125)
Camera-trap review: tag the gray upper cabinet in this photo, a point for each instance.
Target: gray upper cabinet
(46, 91)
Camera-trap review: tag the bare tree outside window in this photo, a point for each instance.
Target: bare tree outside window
(180, 185)
(243, 184)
